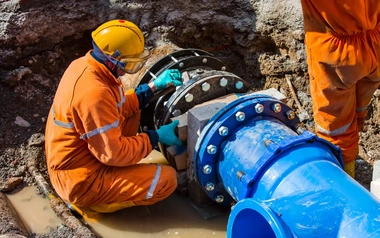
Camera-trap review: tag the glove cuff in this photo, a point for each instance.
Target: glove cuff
(153, 137)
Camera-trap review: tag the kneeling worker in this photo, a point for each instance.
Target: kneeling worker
(92, 145)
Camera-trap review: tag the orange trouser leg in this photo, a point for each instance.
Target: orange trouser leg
(140, 184)
(344, 74)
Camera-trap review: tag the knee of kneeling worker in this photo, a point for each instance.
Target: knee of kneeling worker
(169, 178)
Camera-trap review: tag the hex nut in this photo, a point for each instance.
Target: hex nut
(189, 97)
(259, 108)
(291, 115)
(211, 149)
(240, 116)
(210, 186)
(219, 198)
(277, 107)
(207, 169)
(223, 131)
(176, 113)
(239, 85)
(206, 87)
(223, 82)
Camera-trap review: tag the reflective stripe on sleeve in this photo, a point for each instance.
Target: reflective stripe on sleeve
(69, 125)
(154, 183)
(119, 104)
(100, 130)
(361, 109)
(335, 132)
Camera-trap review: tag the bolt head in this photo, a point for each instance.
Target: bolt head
(181, 65)
(240, 116)
(210, 186)
(276, 107)
(176, 113)
(145, 128)
(223, 82)
(223, 131)
(205, 87)
(239, 85)
(211, 149)
(224, 68)
(299, 129)
(199, 71)
(204, 60)
(207, 169)
(259, 108)
(290, 114)
(219, 198)
(189, 97)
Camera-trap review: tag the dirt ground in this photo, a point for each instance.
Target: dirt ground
(27, 92)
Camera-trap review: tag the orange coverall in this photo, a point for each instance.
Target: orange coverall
(91, 142)
(343, 48)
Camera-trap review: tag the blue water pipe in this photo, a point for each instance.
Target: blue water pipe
(281, 181)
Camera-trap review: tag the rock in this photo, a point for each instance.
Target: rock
(11, 184)
(15, 76)
(21, 122)
(37, 139)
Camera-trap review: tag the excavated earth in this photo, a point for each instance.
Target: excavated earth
(260, 40)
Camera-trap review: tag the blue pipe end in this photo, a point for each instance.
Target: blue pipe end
(250, 218)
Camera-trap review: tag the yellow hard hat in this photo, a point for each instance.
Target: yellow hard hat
(123, 41)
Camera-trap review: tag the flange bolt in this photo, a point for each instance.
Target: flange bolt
(219, 198)
(259, 108)
(189, 97)
(276, 107)
(207, 169)
(240, 116)
(223, 131)
(223, 82)
(239, 85)
(211, 149)
(205, 87)
(176, 113)
(290, 114)
(209, 186)
(199, 71)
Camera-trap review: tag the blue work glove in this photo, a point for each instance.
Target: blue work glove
(166, 134)
(167, 78)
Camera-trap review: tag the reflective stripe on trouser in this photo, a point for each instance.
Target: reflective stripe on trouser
(344, 74)
(140, 184)
(136, 185)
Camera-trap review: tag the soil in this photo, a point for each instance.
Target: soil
(28, 92)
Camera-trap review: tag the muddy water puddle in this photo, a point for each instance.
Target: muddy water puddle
(34, 210)
(173, 217)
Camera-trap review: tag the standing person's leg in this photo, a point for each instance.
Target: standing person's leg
(338, 63)
(368, 85)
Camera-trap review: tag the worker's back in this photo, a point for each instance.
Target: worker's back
(346, 17)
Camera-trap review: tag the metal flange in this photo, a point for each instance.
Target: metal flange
(184, 60)
(192, 93)
(210, 142)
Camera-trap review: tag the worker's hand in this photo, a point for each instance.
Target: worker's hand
(166, 134)
(167, 78)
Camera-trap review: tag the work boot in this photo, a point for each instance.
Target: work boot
(84, 212)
